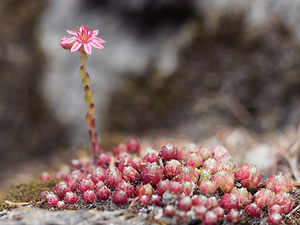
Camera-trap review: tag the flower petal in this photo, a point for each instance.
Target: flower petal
(67, 40)
(87, 48)
(76, 46)
(95, 32)
(95, 44)
(72, 32)
(101, 41)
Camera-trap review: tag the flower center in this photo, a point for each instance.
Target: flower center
(84, 33)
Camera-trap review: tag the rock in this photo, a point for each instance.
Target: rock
(35, 216)
(28, 128)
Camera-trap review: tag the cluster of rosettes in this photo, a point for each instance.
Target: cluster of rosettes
(193, 184)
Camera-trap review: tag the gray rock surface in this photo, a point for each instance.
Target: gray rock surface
(35, 216)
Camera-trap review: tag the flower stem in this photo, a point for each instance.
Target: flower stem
(90, 102)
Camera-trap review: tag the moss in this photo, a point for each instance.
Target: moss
(28, 192)
(3, 205)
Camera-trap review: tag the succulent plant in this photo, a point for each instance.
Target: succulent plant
(86, 184)
(45, 176)
(274, 219)
(103, 193)
(51, 199)
(169, 210)
(200, 211)
(276, 209)
(162, 186)
(61, 189)
(210, 165)
(210, 218)
(119, 197)
(249, 176)
(103, 160)
(284, 200)
(199, 200)
(71, 197)
(244, 197)
(175, 187)
(112, 177)
(133, 145)
(151, 173)
(60, 205)
(88, 196)
(146, 189)
(264, 198)
(278, 183)
(207, 187)
(168, 152)
(253, 210)
(229, 201)
(130, 174)
(156, 199)
(144, 200)
(211, 202)
(219, 212)
(233, 216)
(184, 203)
(172, 168)
(173, 180)
(224, 179)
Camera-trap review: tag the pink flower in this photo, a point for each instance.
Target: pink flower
(83, 36)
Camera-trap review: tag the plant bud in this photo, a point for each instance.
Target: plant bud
(234, 216)
(200, 211)
(284, 200)
(130, 174)
(199, 200)
(264, 198)
(169, 210)
(113, 177)
(274, 219)
(279, 183)
(70, 197)
(224, 179)
(144, 200)
(146, 189)
(207, 187)
(51, 199)
(120, 197)
(168, 152)
(162, 186)
(45, 176)
(229, 201)
(253, 210)
(210, 165)
(244, 197)
(151, 173)
(172, 168)
(210, 218)
(184, 203)
(249, 176)
(133, 145)
(88, 196)
(103, 193)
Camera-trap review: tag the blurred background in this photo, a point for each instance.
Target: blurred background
(197, 70)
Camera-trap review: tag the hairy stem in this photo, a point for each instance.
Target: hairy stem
(90, 102)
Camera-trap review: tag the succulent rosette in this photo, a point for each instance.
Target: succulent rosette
(278, 183)
(244, 197)
(249, 176)
(264, 198)
(284, 200)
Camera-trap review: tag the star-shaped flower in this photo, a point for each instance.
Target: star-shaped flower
(84, 37)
